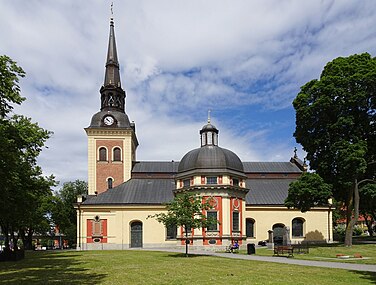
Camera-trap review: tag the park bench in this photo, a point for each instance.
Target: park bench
(284, 250)
(300, 248)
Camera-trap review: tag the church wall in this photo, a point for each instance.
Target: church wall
(92, 159)
(109, 169)
(317, 223)
(119, 222)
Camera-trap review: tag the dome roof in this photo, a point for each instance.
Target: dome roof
(209, 128)
(120, 117)
(210, 158)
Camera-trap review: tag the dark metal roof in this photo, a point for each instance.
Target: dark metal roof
(112, 74)
(267, 191)
(120, 117)
(249, 167)
(210, 157)
(155, 167)
(136, 191)
(209, 128)
(159, 191)
(270, 167)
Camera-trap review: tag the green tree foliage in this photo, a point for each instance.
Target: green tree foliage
(9, 88)
(186, 211)
(63, 213)
(23, 186)
(308, 191)
(368, 205)
(335, 124)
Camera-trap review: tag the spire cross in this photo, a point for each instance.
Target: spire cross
(209, 116)
(112, 6)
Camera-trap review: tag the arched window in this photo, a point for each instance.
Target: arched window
(102, 154)
(297, 227)
(109, 182)
(250, 227)
(116, 156)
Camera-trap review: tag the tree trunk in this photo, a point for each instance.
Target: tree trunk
(349, 221)
(5, 231)
(27, 240)
(186, 241)
(352, 219)
(14, 240)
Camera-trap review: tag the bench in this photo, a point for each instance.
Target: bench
(232, 250)
(284, 250)
(300, 248)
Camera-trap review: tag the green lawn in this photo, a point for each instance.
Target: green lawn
(328, 253)
(147, 267)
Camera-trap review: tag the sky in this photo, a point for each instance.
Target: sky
(243, 60)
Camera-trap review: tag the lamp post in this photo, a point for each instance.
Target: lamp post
(79, 201)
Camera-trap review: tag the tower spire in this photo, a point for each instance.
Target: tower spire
(112, 95)
(112, 74)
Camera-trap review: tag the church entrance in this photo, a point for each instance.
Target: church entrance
(136, 234)
(278, 234)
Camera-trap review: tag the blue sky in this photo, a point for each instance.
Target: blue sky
(244, 60)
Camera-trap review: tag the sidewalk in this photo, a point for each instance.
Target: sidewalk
(279, 259)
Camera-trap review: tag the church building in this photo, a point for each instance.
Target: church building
(248, 197)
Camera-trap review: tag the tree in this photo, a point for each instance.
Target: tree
(63, 213)
(186, 211)
(21, 141)
(336, 125)
(9, 88)
(368, 205)
(307, 191)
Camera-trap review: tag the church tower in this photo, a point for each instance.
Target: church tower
(112, 139)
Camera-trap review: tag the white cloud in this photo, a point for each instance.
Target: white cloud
(245, 60)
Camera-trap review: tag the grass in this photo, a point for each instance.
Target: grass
(148, 267)
(328, 253)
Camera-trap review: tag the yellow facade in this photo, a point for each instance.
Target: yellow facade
(317, 226)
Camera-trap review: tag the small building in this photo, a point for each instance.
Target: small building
(248, 196)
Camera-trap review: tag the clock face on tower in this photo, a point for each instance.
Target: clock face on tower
(108, 120)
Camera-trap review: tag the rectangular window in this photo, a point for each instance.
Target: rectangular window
(235, 221)
(186, 182)
(235, 182)
(171, 232)
(213, 216)
(211, 180)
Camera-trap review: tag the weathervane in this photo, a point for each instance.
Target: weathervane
(112, 6)
(209, 116)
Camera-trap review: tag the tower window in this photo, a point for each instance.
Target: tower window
(102, 154)
(116, 154)
(211, 180)
(210, 138)
(109, 182)
(186, 183)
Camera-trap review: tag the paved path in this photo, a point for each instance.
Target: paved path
(279, 259)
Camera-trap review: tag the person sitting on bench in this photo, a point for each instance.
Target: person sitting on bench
(234, 246)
